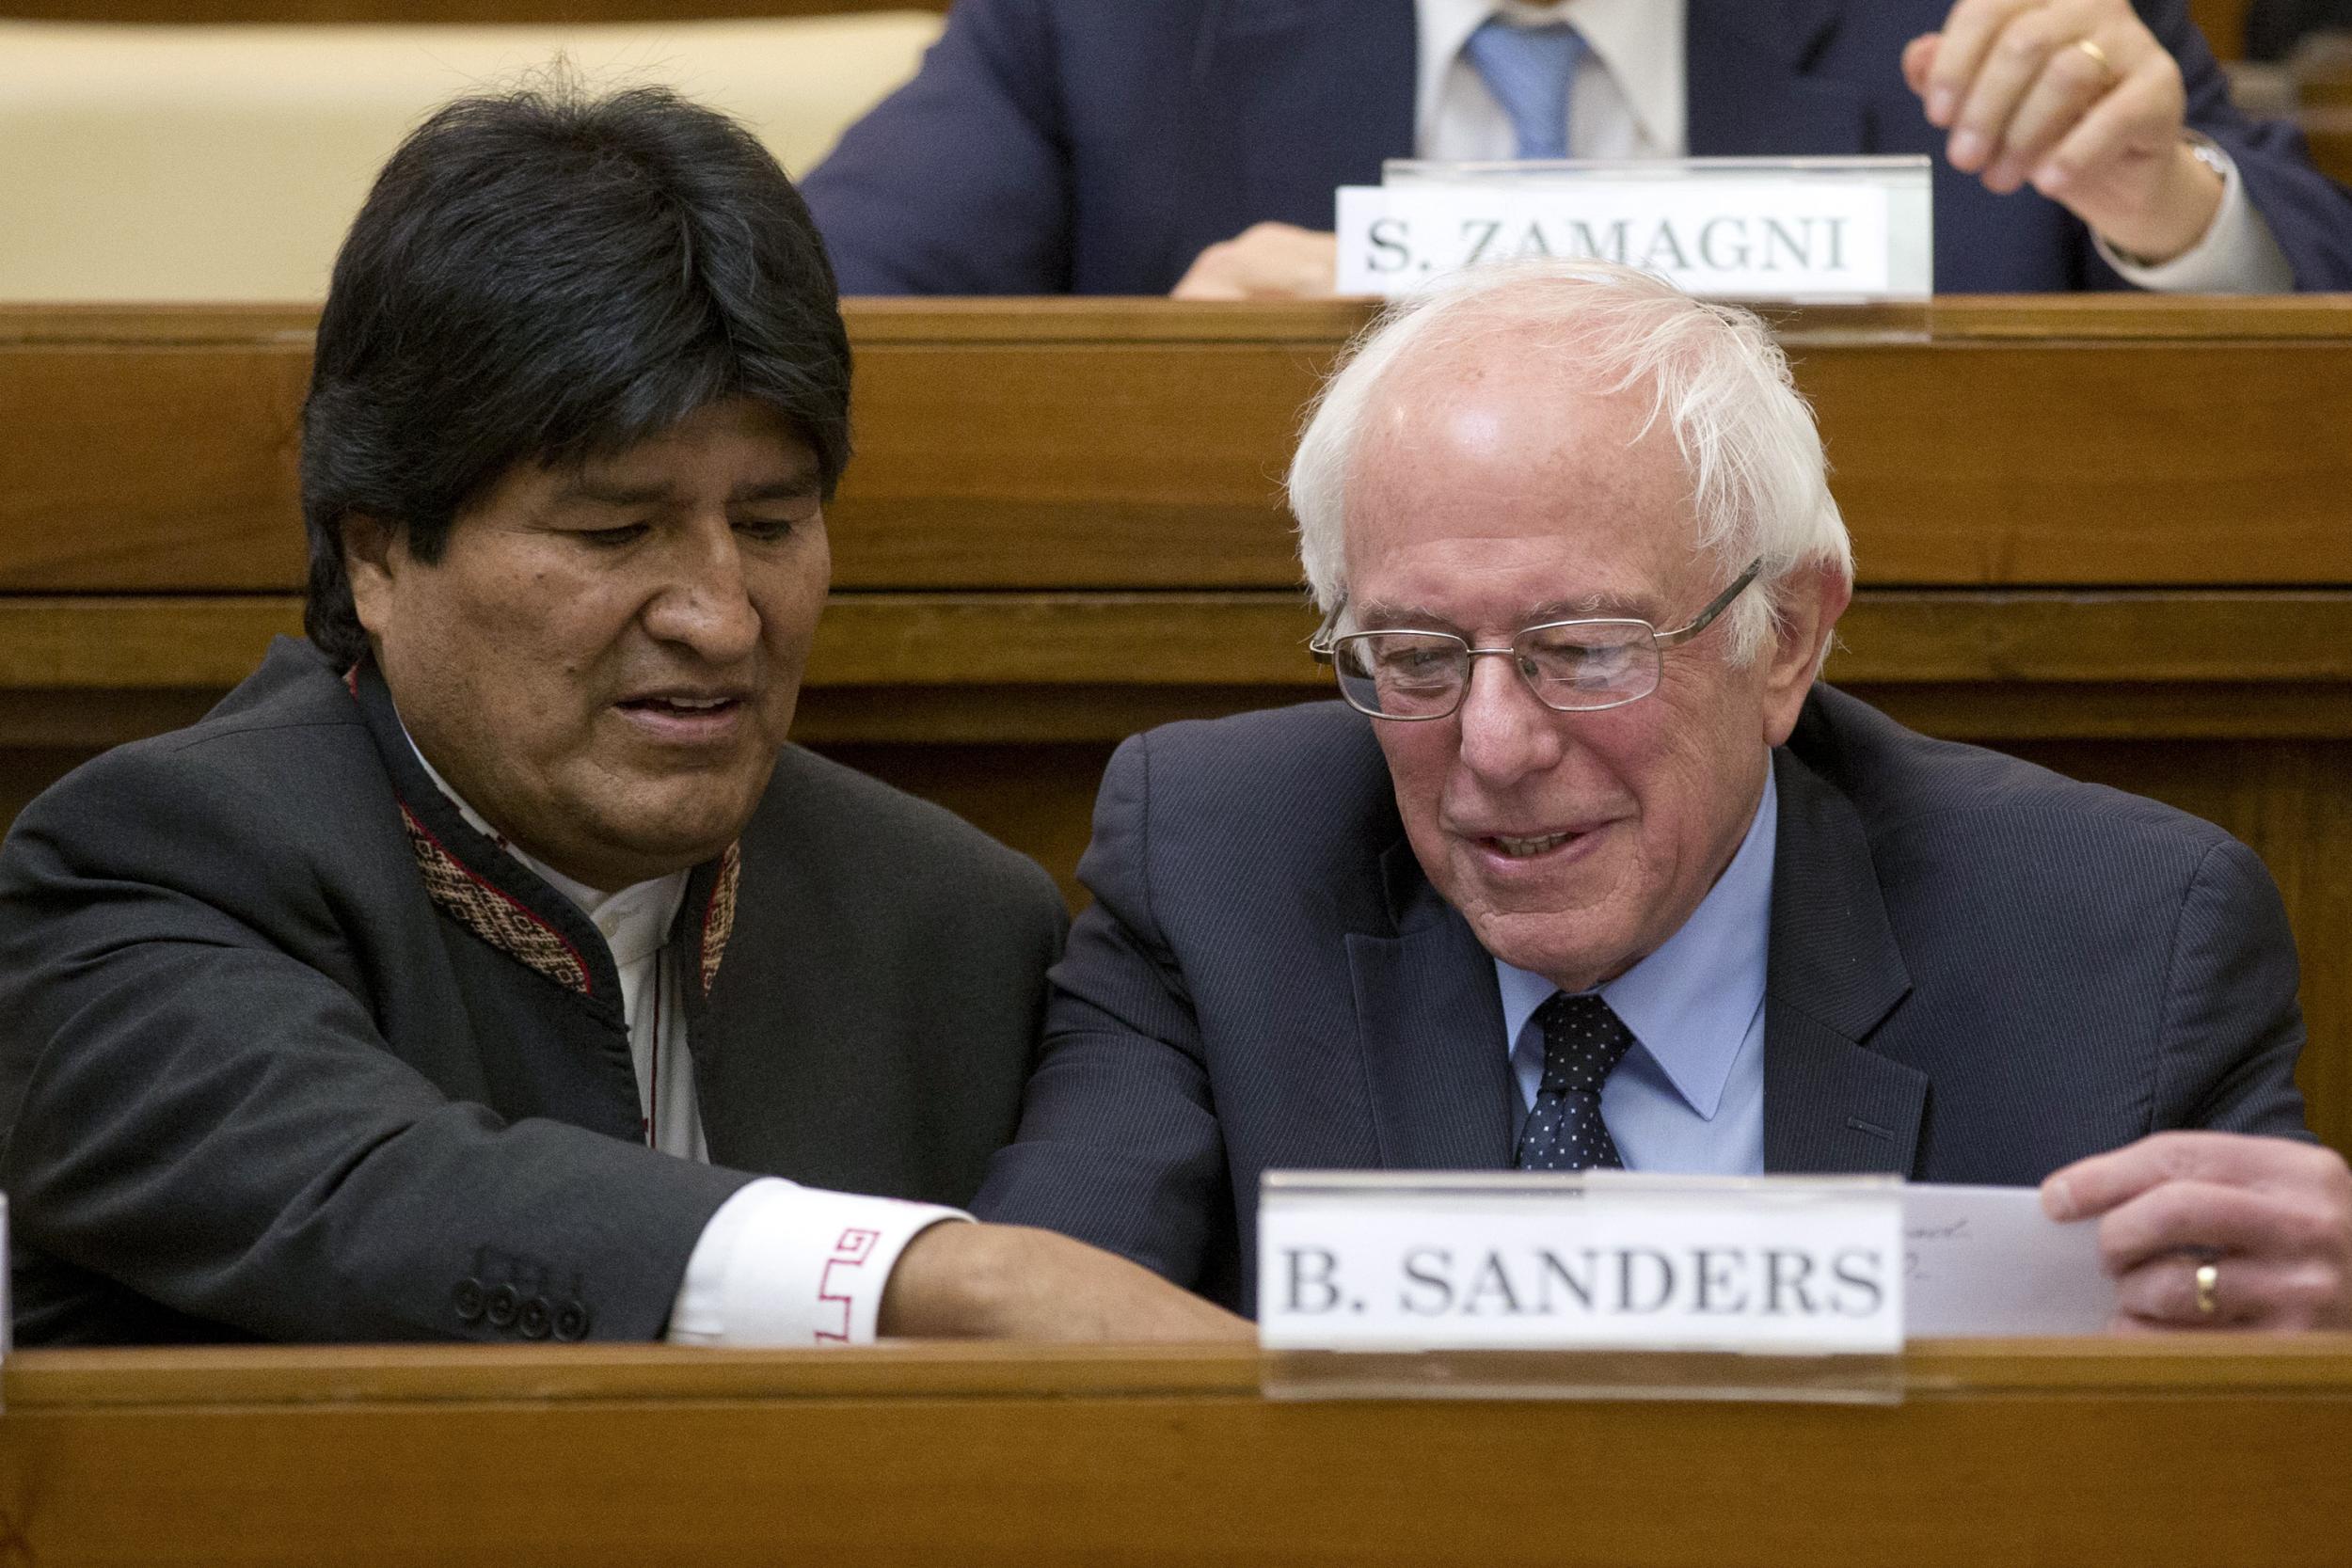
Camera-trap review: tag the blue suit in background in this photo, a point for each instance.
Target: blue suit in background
(1096, 147)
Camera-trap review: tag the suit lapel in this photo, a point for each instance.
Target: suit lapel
(1429, 1020)
(1749, 95)
(1835, 972)
(1307, 95)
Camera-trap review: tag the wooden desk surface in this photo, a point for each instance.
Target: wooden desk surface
(2079, 1452)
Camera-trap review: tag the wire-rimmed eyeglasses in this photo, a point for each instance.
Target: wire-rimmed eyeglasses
(1578, 666)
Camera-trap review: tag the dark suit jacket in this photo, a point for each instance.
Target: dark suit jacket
(1096, 147)
(1979, 972)
(287, 1049)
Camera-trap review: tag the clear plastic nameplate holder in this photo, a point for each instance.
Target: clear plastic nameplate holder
(1595, 1285)
(1804, 230)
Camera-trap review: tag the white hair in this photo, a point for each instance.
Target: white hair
(1759, 483)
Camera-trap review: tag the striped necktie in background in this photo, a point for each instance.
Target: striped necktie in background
(1529, 71)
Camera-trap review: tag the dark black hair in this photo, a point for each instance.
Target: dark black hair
(545, 276)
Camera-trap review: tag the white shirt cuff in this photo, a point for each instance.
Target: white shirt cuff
(2238, 254)
(784, 1264)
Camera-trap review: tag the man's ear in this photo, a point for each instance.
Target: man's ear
(1811, 600)
(374, 557)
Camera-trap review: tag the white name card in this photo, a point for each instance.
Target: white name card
(1388, 1261)
(1851, 229)
(1986, 1261)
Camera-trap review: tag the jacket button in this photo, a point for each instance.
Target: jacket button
(504, 1303)
(533, 1320)
(571, 1320)
(469, 1300)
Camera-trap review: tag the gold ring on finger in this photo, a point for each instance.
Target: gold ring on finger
(2208, 1290)
(2098, 55)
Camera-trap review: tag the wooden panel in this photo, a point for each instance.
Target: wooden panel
(2088, 1453)
(151, 466)
(2296, 640)
(2097, 463)
(2330, 131)
(1021, 446)
(2224, 23)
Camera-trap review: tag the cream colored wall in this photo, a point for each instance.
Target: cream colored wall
(225, 162)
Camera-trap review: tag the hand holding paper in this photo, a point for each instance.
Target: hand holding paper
(2271, 1218)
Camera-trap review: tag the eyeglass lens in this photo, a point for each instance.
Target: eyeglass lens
(1571, 667)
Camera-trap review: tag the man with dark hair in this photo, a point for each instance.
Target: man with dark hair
(487, 966)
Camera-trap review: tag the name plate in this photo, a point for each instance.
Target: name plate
(1603, 1259)
(1813, 228)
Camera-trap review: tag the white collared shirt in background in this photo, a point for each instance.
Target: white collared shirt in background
(778, 1263)
(1630, 101)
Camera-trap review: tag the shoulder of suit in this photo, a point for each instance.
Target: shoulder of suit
(269, 800)
(1902, 781)
(1309, 778)
(288, 735)
(1307, 739)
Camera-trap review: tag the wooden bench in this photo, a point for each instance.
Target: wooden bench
(2113, 534)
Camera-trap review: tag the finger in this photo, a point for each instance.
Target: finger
(2012, 63)
(1266, 260)
(1316, 263)
(2070, 83)
(2203, 1216)
(1968, 33)
(1293, 266)
(2247, 1293)
(1195, 285)
(1918, 60)
(2137, 121)
(1206, 278)
(2094, 1185)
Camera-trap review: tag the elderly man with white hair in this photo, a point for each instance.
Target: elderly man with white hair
(1587, 869)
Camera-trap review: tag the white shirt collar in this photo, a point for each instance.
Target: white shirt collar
(1639, 41)
(635, 921)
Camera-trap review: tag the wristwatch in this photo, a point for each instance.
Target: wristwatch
(2207, 151)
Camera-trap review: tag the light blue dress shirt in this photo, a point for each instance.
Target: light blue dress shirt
(1690, 1095)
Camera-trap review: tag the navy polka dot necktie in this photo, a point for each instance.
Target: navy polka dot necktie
(1583, 1042)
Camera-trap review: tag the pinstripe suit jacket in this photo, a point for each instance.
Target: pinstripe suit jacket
(1979, 970)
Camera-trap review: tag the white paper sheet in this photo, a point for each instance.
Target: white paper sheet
(1986, 1261)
